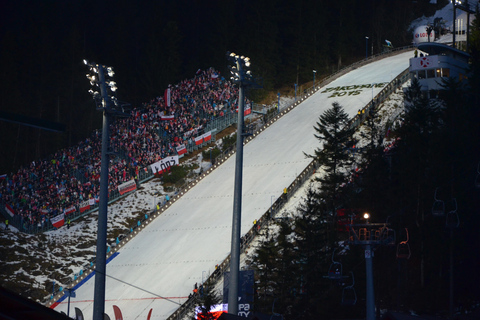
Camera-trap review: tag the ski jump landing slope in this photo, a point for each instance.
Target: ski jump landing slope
(158, 268)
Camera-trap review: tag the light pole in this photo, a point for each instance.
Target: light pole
(295, 92)
(242, 77)
(366, 48)
(314, 72)
(105, 102)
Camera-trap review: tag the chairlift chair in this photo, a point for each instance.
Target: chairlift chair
(335, 270)
(388, 236)
(349, 295)
(452, 220)
(403, 248)
(438, 208)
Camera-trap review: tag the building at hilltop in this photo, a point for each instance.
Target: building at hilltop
(437, 61)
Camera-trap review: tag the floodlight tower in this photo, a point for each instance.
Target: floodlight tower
(369, 236)
(106, 102)
(241, 76)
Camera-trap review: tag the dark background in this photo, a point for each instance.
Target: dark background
(151, 44)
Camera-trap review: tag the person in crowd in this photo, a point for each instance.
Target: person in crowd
(46, 187)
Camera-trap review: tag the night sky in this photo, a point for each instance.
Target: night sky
(151, 44)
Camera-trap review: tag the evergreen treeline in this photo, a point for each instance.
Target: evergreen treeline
(436, 156)
(151, 44)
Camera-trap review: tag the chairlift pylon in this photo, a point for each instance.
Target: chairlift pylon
(438, 208)
(349, 295)
(452, 220)
(403, 248)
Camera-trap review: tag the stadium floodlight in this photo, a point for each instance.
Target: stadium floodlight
(242, 76)
(107, 104)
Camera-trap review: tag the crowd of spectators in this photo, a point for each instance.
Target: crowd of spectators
(59, 183)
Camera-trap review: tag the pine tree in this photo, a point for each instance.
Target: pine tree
(312, 230)
(333, 131)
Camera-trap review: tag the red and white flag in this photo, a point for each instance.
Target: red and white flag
(127, 187)
(181, 149)
(207, 136)
(70, 210)
(9, 210)
(58, 221)
(84, 206)
(198, 140)
(247, 110)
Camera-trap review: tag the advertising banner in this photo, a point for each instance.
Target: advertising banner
(422, 63)
(245, 291)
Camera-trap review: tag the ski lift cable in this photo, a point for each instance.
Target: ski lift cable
(141, 289)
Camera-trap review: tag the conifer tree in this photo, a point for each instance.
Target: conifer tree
(333, 131)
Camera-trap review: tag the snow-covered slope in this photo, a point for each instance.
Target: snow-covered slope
(158, 268)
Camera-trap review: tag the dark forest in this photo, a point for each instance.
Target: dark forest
(151, 44)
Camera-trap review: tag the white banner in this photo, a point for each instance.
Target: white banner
(127, 187)
(164, 164)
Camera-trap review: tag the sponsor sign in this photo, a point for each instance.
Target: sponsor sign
(164, 164)
(421, 35)
(245, 291)
(127, 187)
(421, 63)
